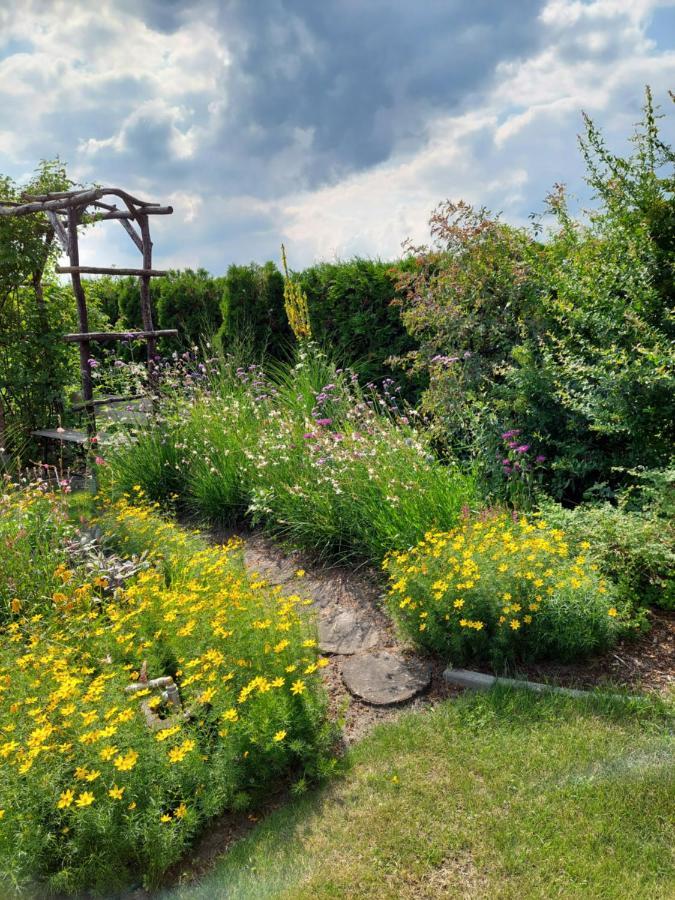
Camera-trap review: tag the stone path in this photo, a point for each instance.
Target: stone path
(371, 673)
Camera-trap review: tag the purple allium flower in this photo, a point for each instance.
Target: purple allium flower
(523, 448)
(506, 462)
(92, 363)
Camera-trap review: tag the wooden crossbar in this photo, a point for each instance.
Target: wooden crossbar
(110, 270)
(105, 336)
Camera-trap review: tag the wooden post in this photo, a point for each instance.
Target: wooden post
(144, 281)
(83, 319)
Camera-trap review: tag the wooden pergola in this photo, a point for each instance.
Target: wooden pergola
(65, 211)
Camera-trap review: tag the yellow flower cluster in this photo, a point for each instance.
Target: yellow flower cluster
(486, 576)
(68, 727)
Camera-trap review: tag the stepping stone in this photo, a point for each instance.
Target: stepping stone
(384, 678)
(341, 631)
(274, 570)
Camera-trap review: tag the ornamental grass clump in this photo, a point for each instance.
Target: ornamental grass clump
(503, 588)
(101, 785)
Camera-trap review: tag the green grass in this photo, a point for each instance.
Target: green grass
(504, 795)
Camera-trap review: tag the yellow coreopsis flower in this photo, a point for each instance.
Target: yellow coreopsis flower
(65, 799)
(298, 687)
(116, 792)
(279, 736)
(86, 798)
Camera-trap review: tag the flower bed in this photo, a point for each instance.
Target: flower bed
(500, 588)
(101, 784)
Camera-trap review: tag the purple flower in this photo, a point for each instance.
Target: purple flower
(540, 459)
(510, 434)
(92, 363)
(309, 435)
(324, 421)
(506, 462)
(523, 448)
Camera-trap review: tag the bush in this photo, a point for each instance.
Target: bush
(569, 340)
(253, 311)
(34, 529)
(503, 588)
(91, 797)
(636, 549)
(352, 311)
(304, 452)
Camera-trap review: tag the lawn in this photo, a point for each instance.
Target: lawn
(499, 795)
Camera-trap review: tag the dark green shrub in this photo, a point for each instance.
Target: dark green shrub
(352, 312)
(253, 311)
(191, 302)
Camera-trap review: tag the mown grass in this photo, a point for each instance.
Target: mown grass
(500, 795)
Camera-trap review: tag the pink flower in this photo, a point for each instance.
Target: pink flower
(100, 461)
(324, 421)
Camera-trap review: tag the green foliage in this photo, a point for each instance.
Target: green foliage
(80, 766)
(34, 529)
(253, 311)
(35, 310)
(353, 312)
(502, 590)
(302, 451)
(191, 302)
(570, 340)
(635, 548)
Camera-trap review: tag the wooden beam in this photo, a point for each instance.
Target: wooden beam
(83, 320)
(131, 231)
(59, 230)
(105, 336)
(110, 270)
(105, 401)
(144, 281)
(120, 214)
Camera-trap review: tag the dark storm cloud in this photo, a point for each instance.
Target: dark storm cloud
(359, 77)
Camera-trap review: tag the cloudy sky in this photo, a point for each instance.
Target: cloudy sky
(333, 125)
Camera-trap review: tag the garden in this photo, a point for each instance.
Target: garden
(230, 619)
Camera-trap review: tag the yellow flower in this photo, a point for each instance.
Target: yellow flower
(86, 798)
(132, 805)
(515, 624)
(116, 792)
(93, 775)
(180, 811)
(458, 604)
(164, 818)
(2, 813)
(300, 573)
(298, 687)
(15, 605)
(230, 715)
(126, 762)
(613, 612)
(206, 696)
(279, 736)
(65, 799)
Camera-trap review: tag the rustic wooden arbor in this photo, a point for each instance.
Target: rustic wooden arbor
(65, 211)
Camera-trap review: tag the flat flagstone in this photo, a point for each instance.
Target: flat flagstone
(342, 631)
(385, 678)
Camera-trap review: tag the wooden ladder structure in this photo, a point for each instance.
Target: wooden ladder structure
(65, 211)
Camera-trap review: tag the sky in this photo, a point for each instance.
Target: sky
(335, 126)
